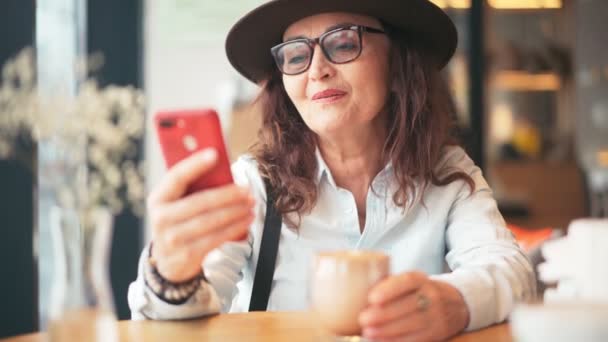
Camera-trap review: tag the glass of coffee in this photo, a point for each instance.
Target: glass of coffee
(339, 285)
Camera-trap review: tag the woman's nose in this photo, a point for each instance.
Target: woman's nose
(320, 67)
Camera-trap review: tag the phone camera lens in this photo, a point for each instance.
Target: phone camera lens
(167, 123)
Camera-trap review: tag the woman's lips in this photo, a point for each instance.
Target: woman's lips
(328, 96)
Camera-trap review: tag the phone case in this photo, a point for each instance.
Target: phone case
(183, 132)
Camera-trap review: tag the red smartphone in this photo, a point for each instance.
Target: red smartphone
(184, 132)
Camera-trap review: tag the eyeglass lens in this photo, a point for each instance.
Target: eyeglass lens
(339, 46)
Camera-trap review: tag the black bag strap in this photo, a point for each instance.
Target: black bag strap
(267, 258)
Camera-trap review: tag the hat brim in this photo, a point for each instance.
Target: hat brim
(250, 39)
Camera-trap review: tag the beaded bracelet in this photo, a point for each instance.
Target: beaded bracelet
(170, 292)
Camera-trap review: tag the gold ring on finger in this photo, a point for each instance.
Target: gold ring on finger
(423, 302)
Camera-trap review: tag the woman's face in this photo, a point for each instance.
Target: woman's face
(363, 84)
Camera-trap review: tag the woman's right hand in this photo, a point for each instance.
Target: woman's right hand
(186, 228)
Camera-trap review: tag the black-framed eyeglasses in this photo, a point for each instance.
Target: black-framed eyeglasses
(339, 46)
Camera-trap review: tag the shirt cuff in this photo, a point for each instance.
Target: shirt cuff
(478, 296)
(145, 304)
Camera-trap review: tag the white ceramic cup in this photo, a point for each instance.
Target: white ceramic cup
(560, 322)
(579, 260)
(340, 282)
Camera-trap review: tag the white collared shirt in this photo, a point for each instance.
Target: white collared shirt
(456, 237)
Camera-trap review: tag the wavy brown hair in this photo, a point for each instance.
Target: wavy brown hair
(420, 120)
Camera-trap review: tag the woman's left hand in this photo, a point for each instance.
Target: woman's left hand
(413, 307)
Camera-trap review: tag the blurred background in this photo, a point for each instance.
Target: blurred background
(530, 86)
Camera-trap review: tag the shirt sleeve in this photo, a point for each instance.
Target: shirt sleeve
(145, 304)
(488, 267)
(223, 269)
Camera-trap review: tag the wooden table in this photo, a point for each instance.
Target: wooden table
(260, 326)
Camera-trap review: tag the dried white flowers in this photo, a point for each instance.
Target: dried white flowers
(104, 123)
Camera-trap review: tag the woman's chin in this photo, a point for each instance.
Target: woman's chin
(329, 129)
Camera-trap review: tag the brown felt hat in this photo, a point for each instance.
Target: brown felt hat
(250, 39)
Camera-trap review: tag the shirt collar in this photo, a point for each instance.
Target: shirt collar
(322, 168)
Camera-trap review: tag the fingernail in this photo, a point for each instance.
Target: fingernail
(363, 319)
(208, 154)
(369, 332)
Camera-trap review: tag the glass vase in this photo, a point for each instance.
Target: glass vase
(81, 306)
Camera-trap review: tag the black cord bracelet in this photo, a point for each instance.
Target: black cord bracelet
(170, 292)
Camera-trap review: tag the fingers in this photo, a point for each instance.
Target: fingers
(404, 326)
(206, 223)
(379, 314)
(200, 202)
(420, 336)
(393, 287)
(185, 262)
(230, 233)
(393, 311)
(197, 249)
(182, 174)
(420, 309)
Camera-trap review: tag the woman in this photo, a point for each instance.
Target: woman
(355, 142)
